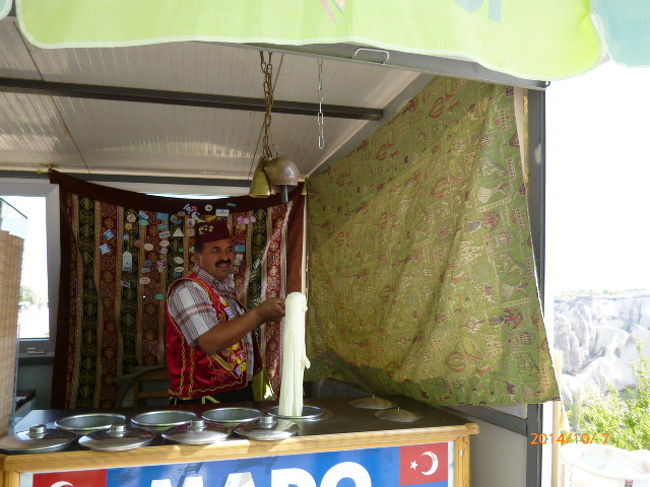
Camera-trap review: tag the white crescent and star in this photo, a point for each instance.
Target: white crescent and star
(62, 484)
(434, 462)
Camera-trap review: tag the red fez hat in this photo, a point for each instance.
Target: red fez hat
(211, 231)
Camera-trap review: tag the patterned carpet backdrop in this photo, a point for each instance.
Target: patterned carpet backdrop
(421, 271)
(120, 250)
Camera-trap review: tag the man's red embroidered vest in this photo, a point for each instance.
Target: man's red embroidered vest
(194, 373)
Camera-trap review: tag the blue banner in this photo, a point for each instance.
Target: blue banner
(428, 465)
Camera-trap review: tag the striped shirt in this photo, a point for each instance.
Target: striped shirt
(192, 309)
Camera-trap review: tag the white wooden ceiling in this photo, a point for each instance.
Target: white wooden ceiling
(118, 137)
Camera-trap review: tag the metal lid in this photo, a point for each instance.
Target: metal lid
(198, 432)
(117, 438)
(37, 438)
(232, 415)
(372, 403)
(162, 420)
(87, 423)
(398, 415)
(308, 412)
(267, 428)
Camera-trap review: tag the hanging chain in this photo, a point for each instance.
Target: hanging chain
(267, 70)
(321, 118)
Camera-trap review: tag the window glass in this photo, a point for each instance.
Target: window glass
(24, 216)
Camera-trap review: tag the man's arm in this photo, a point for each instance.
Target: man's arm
(227, 333)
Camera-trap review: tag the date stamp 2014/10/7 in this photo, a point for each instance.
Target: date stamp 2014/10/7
(570, 437)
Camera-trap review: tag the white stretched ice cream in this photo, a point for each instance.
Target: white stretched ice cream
(294, 355)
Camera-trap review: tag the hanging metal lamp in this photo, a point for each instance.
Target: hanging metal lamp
(260, 186)
(284, 173)
(271, 170)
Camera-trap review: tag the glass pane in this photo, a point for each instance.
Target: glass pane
(24, 216)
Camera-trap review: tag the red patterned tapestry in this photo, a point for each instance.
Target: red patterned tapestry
(120, 250)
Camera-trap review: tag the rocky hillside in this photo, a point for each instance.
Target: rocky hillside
(597, 335)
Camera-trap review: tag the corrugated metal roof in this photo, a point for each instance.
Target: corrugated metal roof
(15, 60)
(32, 134)
(144, 138)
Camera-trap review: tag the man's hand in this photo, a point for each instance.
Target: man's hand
(271, 310)
(229, 332)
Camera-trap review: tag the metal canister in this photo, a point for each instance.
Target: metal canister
(231, 415)
(87, 423)
(162, 420)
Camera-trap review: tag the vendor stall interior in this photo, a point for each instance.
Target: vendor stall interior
(190, 114)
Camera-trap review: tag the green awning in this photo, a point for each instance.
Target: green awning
(547, 40)
(535, 40)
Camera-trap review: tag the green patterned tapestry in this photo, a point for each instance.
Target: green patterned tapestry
(421, 273)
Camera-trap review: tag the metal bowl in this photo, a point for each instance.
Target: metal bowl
(198, 432)
(37, 439)
(372, 403)
(87, 423)
(162, 420)
(308, 413)
(118, 438)
(232, 415)
(398, 415)
(267, 428)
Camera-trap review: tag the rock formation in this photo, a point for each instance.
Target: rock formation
(598, 336)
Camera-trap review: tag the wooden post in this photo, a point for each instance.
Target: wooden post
(462, 472)
(557, 426)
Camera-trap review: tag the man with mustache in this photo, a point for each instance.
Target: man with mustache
(211, 349)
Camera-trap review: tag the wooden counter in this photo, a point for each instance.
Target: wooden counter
(346, 429)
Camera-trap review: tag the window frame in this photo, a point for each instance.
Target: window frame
(42, 347)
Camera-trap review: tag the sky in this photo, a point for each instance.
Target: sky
(598, 181)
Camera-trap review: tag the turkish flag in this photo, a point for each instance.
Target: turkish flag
(84, 478)
(423, 464)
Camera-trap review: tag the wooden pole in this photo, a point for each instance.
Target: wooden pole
(557, 425)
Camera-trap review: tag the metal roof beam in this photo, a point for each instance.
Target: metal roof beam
(130, 178)
(421, 62)
(183, 98)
